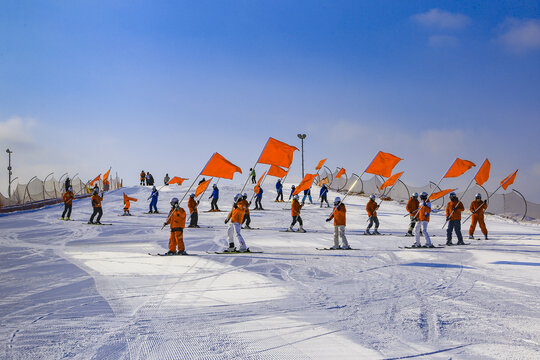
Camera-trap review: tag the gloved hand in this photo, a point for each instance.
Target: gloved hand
(226, 221)
(164, 224)
(198, 202)
(448, 219)
(327, 220)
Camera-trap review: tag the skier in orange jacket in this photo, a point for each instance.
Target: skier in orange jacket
(236, 216)
(412, 208)
(339, 214)
(295, 212)
(96, 204)
(478, 208)
(422, 215)
(193, 212)
(453, 215)
(143, 177)
(67, 198)
(371, 208)
(177, 221)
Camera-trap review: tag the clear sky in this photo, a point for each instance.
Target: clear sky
(160, 86)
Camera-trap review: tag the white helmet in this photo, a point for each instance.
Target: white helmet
(415, 195)
(372, 196)
(236, 197)
(337, 200)
(296, 197)
(174, 201)
(479, 196)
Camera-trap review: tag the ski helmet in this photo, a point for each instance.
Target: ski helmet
(415, 195)
(154, 188)
(453, 195)
(174, 201)
(337, 200)
(293, 187)
(296, 197)
(372, 196)
(192, 195)
(245, 195)
(214, 186)
(423, 196)
(236, 197)
(96, 190)
(478, 196)
(70, 188)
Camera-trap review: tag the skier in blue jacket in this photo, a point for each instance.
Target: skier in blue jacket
(214, 197)
(279, 189)
(153, 203)
(323, 195)
(258, 198)
(292, 191)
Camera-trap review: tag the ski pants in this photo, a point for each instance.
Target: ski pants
(476, 218)
(339, 232)
(67, 210)
(324, 199)
(153, 204)
(258, 204)
(454, 225)
(253, 180)
(307, 196)
(422, 227)
(235, 228)
(414, 220)
(279, 195)
(97, 211)
(214, 204)
(142, 182)
(177, 240)
(247, 219)
(373, 220)
(193, 219)
(296, 219)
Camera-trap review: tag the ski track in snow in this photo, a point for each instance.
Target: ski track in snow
(70, 290)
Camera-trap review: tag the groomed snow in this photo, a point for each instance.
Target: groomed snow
(72, 290)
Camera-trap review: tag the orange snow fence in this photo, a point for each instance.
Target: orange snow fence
(256, 188)
(483, 174)
(96, 179)
(220, 167)
(127, 198)
(507, 181)
(459, 167)
(176, 180)
(277, 153)
(277, 171)
(391, 180)
(440, 194)
(383, 164)
(202, 187)
(305, 183)
(340, 173)
(320, 165)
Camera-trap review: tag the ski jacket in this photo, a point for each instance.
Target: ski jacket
(412, 206)
(192, 205)
(457, 208)
(215, 193)
(479, 206)
(279, 187)
(177, 218)
(425, 211)
(371, 208)
(166, 180)
(155, 195)
(143, 175)
(295, 207)
(127, 205)
(245, 204)
(339, 215)
(96, 200)
(259, 194)
(68, 197)
(324, 191)
(237, 213)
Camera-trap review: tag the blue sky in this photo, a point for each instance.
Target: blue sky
(162, 85)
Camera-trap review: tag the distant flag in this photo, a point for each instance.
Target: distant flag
(483, 174)
(340, 173)
(305, 183)
(220, 167)
(176, 180)
(277, 171)
(458, 168)
(277, 153)
(383, 164)
(96, 179)
(323, 181)
(391, 180)
(440, 194)
(202, 187)
(507, 181)
(256, 188)
(320, 165)
(106, 176)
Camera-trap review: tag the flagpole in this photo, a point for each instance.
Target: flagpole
(475, 210)
(348, 192)
(462, 196)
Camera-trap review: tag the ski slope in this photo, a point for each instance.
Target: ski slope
(72, 290)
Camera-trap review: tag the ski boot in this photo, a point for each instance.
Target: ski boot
(367, 232)
(346, 247)
(244, 250)
(183, 252)
(430, 246)
(301, 229)
(230, 249)
(471, 237)
(376, 232)
(415, 245)
(90, 222)
(170, 252)
(449, 243)
(485, 236)
(409, 233)
(335, 247)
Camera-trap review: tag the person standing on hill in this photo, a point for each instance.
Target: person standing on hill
(166, 179)
(258, 199)
(177, 221)
(279, 189)
(193, 212)
(153, 203)
(422, 214)
(295, 212)
(478, 207)
(253, 176)
(143, 178)
(453, 216)
(339, 214)
(307, 194)
(323, 194)
(371, 208)
(96, 204)
(412, 208)
(214, 196)
(67, 198)
(236, 216)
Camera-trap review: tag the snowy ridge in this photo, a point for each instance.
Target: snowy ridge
(76, 291)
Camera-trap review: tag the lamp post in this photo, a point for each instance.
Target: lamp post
(302, 137)
(9, 171)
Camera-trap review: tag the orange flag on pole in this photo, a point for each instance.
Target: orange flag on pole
(106, 176)
(202, 187)
(176, 180)
(459, 167)
(277, 171)
(277, 153)
(383, 164)
(483, 174)
(320, 165)
(256, 188)
(340, 173)
(440, 194)
(507, 181)
(127, 198)
(96, 179)
(323, 181)
(391, 180)
(220, 167)
(305, 183)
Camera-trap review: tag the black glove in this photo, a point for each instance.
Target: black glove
(226, 221)
(164, 224)
(327, 220)
(198, 202)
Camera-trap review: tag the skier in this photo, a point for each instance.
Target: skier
(127, 204)
(214, 197)
(153, 203)
(247, 218)
(96, 204)
(453, 216)
(422, 217)
(151, 179)
(412, 208)
(477, 209)
(323, 194)
(67, 198)
(166, 179)
(307, 193)
(279, 189)
(67, 184)
(177, 221)
(253, 176)
(193, 212)
(295, 212)
(143, 177)
(371, 208)
(339, 214)
(236, 215)
(292, 191)
(258, 198)
(203, 180)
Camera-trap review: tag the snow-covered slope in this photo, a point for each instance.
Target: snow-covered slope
(72, 290)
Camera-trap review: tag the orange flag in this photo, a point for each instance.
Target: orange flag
(96, 179)
(340, 173)
(277, 153)
(323, 181)
(391, 180)
(383, 164)
(277, 171)
(256, 188)
(483, 174)
(202, 187)
(320, 165)
(509, 180)
(440, 194)
(459, 167)
(176, 180)
(220, 167)
(305, 183)
(127, 198)
(106, 176)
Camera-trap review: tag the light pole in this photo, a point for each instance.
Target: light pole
(9, 171)
(302, 137)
